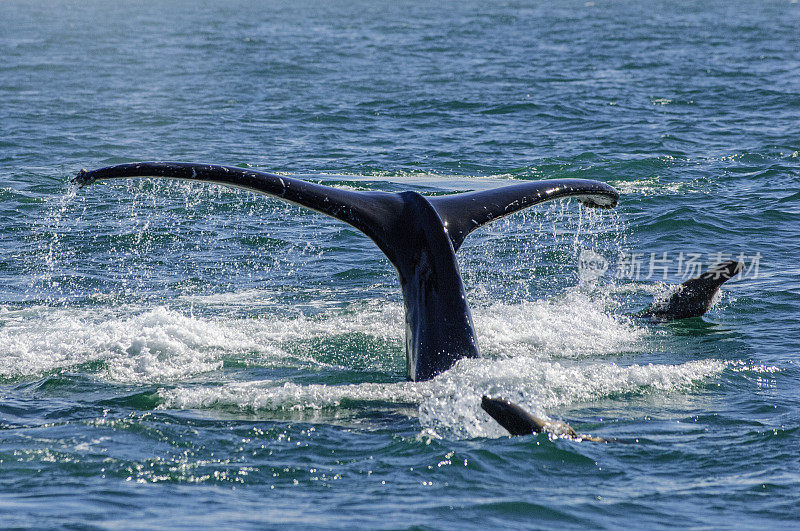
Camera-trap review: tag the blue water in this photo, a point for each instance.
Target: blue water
(175, 354)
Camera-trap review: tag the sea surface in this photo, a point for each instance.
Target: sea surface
(185, 355)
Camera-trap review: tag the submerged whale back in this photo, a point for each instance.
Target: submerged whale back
(418, 234)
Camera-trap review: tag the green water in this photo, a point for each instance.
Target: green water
(185, 355)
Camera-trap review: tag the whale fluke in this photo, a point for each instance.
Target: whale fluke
(693, 297)
(418, 234)
(465, 212)
(519, 422)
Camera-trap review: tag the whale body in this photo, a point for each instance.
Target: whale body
(419, 235)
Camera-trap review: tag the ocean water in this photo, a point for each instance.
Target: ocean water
(176, 355)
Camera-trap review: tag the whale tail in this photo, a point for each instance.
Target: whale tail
(693, 298)
(418, 234)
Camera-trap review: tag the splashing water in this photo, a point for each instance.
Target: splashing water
(545, 352)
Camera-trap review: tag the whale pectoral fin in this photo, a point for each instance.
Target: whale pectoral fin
(693, 297)
(463, 213)
(519, 422)
(512, 417)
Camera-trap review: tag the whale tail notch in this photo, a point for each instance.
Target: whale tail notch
(418, 234)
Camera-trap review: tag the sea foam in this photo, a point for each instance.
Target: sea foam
(543, 354)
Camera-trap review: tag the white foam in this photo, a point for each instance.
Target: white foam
(136, 346)
(154, 345)
(450, 404)
(542, 386)
(542, 354)
(141, 345)
(654, 186)
(246, 298)
(277, 395)
(570, 325)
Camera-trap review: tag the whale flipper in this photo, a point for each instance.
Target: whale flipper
(512, 417)
(418, 234)
(693, 297)
(519, 422)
